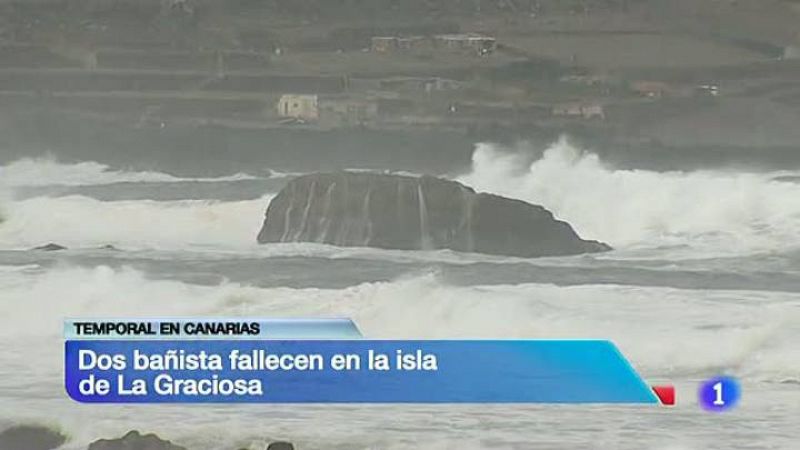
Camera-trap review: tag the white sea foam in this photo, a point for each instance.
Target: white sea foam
(668, 334)
(671, 334)
(654, 326)
(707, 212)
(78, 221)
(711, 210)
(50, 172)
(4, 202)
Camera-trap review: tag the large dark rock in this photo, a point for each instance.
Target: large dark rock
(135, 441)
(411, 213)
(29, 437)
(51, 247)
(280, 445)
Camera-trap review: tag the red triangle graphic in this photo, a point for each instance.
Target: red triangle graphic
(665, 394)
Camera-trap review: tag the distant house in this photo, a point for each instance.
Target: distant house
(650, 89)
(299, 106)
(593, 112)
(471, 42)
(384, 44)
(707, 89)
(413, 43)
(478, 43)
(567, 110)
(389, 44)
(419, 84)
(586, 80)
(579, 110)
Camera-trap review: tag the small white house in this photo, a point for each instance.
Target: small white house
(579, 110)
(299, 106)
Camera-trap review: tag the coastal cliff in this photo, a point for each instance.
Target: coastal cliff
(414, 213)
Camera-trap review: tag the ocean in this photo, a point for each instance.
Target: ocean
(704, 280)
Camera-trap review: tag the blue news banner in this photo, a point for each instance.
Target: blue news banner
(328, 365)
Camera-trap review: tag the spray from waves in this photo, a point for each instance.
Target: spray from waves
(37, 304)
(216, 228)
(755, 339)
(4, 202)
(49, 172)
(637, 208)
(83, 222)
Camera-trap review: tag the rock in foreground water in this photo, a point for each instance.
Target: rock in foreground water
(280, 445)
(26, 437)
(414, 213)
(135, 441)
(51, 247)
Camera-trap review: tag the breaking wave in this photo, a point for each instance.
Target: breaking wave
(706, 212)
(79, 221)
(628, 208)
(49, 172)
(755, 339)
(4, 202)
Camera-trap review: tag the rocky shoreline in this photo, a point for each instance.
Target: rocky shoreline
(36, 437)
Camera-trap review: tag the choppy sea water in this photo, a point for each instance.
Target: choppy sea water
(705, 280)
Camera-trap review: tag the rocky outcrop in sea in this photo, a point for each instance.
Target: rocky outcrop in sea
(30, 437)
(414, 213)
(36, 437)
(135, 441)
(51, 247)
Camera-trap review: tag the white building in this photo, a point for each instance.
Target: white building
(299, 106)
